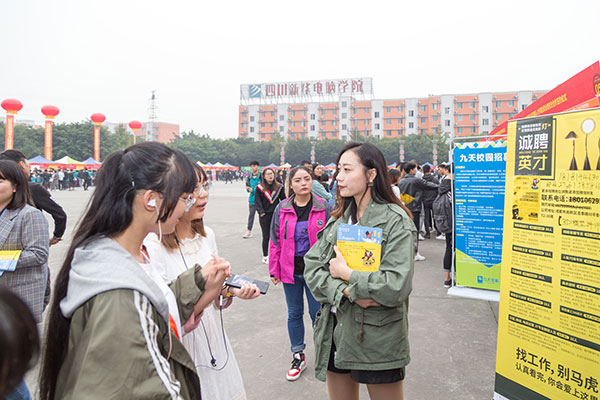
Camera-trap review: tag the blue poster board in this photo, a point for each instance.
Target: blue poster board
(479, 180)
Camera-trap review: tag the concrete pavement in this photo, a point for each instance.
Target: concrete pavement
(453, 340)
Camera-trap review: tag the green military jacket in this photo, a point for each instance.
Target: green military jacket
(375, 338)
(120, 347)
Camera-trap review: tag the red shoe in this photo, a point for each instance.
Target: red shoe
(298, 365)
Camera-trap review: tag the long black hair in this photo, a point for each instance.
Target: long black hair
(144, 166)
(12, 172)
(381, 192)
(20, 341)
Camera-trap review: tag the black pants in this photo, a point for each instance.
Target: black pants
(265, 227)
(417, 221)
(448, 253)
(428, 216)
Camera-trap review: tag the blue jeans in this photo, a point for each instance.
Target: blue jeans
(295, 303)
(20, 393)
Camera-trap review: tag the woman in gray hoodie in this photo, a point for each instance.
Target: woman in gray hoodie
(114, 331)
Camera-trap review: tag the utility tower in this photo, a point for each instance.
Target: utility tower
(151, 117)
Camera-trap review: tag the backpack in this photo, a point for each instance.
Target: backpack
(442, 212)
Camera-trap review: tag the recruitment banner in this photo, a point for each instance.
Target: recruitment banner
(580, 91)
(479, 175)
(549, 319)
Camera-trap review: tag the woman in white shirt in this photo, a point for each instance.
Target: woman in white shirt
(193, 243)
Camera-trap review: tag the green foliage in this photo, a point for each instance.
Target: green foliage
(77, 140)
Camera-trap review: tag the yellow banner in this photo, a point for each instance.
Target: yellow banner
(549, 320)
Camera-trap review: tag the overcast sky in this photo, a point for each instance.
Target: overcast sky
(107, 56)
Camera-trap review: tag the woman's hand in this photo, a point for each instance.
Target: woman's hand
(338, 268)
(275, 281)
(366, 303)
(247, 291)
(215, 272)
(261, 215)
(192, 323)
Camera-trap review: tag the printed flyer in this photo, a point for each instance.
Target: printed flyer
(360, 246)
(549, 319)
(479, 176)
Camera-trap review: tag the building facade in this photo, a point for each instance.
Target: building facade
(162, 132)
(322, 118)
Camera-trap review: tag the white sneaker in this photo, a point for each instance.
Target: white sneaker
(441, 237)
(419, 257)
(247, 235)
(421, 237)
(265, 259)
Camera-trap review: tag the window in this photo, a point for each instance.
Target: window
(281, 117)
(446, 110)
(423, 120)
(262, 135)
(485, 109)
(459, 105)
(447, 122)
(272, 113)
(435, 118)
(293, 113)
(293, 124)
(376, 126)
(411, 113)
(251, 129)
(498, 104)
(511, 103)
(243, 125)
(376, 114)
(312, 117)
(459, 118)
(423, 108)
(473, 129)
(472, 117)
(485, 121)
(344, 104)
(344, 115)
(354, 110)
(459, 129)
(523, 106)
(388, 133)
(344, 127)
(472, 104)
(303, 123)
(252, 118)
(388, 109)
(312, 128)
(411, 125)
(388, 121)
(262, 124)
(434, 106)
(280, 128)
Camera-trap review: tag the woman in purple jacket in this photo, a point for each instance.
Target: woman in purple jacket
(294, 228)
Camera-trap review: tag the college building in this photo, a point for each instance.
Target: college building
(335, 109)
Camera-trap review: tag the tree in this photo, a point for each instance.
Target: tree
(297, 150)
(326, 151)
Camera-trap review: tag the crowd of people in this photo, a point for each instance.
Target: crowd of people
(63, 179)
(137, 306)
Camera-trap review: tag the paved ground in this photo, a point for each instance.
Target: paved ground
(453, 340)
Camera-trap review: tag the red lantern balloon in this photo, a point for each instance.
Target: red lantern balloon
(135, 125)
(50, 111)
(12, 105)
(98, 118)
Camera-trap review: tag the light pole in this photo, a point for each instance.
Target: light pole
(435, 159)
(313, 142)
(401, 150)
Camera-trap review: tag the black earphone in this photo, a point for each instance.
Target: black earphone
(213, 360)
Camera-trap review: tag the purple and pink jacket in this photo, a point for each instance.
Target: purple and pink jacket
(282, 243)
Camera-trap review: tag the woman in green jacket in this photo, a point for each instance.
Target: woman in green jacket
(115, 328)
(361, 331)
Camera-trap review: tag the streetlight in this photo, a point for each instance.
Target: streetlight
(401, 150)
(313, 142)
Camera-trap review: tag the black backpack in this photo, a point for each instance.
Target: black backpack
(442, 212)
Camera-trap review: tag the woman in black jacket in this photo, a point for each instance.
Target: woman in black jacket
(268, 194)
